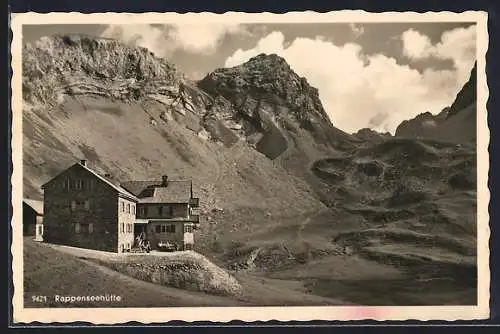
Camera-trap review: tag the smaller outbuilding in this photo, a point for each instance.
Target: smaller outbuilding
(33, 218)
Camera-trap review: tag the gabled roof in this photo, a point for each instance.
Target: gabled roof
(137, 187)
(115, 186)
(35, 205)
(178, 191)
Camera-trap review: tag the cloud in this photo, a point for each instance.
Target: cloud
(416, 45)
(457, 45)
(163, 40)
(359, 90)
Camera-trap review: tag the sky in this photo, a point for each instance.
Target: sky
(371, 75)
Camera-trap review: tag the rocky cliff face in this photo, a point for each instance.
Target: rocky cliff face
(270, 104)
(456, 123)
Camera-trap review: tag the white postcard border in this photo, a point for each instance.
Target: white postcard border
(225, 314)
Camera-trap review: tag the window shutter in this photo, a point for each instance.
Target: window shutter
(91, 228)
(77, 228)
(87, 204)
(73, 205)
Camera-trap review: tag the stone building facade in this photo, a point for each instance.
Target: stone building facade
(84, 209)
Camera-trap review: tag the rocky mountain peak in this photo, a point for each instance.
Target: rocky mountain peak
(467, 95)
(269, 98)
(264, 59)
(266, 86)
(76, 63)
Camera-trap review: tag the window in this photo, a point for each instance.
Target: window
(142, 211)
(165, 228)
(168, 228)
(123, 227)
(73, 205)
(123, 206)
(77, 228)
(87, 204)
(128, 207)
(133, 209)
(79, 184)
(188, 229)
(160, 210)
(71, 184)
(167, 210)
(66, 184)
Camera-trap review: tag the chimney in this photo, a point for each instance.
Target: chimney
(83, 162)
(164, 180)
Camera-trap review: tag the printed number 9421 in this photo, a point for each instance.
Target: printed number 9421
(39, 299)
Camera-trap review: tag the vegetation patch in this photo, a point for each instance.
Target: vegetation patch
(184, 270)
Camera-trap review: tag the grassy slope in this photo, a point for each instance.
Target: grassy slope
(118, 138)
(49, 272)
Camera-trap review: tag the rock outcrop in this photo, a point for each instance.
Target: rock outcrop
(269, 102)
(367, 134)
